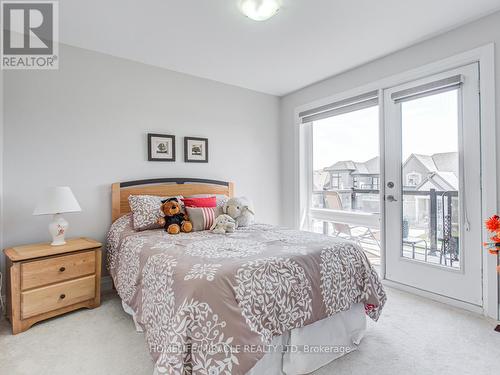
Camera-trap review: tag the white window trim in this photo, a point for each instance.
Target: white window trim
(485, 55)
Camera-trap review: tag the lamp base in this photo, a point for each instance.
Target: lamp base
(58, 229)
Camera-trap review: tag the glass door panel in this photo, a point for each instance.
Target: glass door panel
(429, 179)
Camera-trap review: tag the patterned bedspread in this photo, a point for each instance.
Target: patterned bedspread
(210, 303)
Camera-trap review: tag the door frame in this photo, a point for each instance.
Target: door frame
(430, 276)
(485, 56)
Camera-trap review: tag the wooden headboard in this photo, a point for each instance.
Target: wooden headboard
(163, 187)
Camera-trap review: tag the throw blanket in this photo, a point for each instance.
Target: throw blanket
(210, 303)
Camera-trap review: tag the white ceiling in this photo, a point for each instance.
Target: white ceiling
(307, 41)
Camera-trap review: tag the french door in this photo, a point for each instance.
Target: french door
(433, 184)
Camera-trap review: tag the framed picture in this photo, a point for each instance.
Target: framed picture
(195, 150)
(161, 147)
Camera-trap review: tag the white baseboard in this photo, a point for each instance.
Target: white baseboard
(435, 297)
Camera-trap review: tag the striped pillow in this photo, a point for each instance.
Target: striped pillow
(202, 218)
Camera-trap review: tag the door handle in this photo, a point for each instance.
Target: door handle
(391, 198)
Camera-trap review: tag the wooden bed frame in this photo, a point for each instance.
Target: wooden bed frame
(164, 187)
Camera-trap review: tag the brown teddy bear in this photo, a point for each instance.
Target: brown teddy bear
(174, 220)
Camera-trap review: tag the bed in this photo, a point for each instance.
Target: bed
(264, 299)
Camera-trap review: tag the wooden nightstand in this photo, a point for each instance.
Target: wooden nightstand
(44, 281)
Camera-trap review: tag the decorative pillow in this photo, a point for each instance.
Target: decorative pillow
(202, 218)
(221, 198)
(146, 210)
(200, 202)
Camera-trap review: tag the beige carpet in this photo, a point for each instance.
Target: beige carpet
(413, 336)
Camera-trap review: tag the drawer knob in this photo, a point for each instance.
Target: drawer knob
(62, 269)
(62, 296)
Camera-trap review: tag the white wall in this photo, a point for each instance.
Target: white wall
(465, 38)
(85, 126)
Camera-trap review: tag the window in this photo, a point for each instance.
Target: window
(413, 179)
(355, 183)
(347, 147)
(344, 143)
(430, 211)
(335, 181)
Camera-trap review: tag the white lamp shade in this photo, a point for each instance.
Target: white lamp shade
(57, 200)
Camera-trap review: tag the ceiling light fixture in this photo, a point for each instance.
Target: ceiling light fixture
(260, 10)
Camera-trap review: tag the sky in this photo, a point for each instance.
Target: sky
(435, 115)
(429, 125)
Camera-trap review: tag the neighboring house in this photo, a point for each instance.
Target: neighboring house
(349, 174)
(420, 172)
(346, 175)
(425, 172)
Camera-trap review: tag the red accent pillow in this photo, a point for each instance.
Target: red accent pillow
(200, 202)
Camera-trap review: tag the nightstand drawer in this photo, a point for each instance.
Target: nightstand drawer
(42, 272)
(52, 297)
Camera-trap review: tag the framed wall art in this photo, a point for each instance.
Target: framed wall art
(161, 147)
(195, 150)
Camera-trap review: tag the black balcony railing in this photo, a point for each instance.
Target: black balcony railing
(442, 220)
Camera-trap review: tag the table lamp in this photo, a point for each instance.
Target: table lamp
(55, 201)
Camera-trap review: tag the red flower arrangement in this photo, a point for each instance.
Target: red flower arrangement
(493, 226)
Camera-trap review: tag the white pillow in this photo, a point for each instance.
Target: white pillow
(146, 210)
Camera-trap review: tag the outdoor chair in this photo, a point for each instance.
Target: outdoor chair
(333, 202)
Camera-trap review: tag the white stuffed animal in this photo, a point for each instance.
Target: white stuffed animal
(223, 224)
(239, 209)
